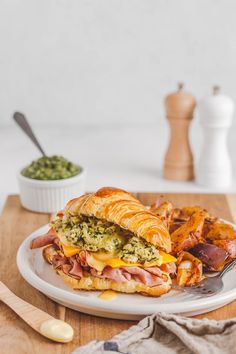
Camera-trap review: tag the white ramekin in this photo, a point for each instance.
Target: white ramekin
(49, 196)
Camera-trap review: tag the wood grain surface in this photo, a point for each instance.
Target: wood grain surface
(16, 336)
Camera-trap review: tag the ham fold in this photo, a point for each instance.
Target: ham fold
(149, 276)
(69, 265)
(169, 268)
(73, 267)
(44, 240)
(115, 274)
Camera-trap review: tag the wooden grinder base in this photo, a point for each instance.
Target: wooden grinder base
(179, 159)
(185, 173)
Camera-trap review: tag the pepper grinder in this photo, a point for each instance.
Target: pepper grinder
(179, 159)
(216, 112)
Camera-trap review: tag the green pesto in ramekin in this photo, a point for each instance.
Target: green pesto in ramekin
(50, 168)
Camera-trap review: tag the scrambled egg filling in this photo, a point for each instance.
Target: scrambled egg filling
(92, 234)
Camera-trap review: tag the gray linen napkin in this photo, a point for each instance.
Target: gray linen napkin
(169, 334)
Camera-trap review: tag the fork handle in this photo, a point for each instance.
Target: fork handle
(228, 267)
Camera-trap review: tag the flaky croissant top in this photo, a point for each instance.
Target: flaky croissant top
(122, 208)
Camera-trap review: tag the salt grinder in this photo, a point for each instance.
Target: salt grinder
(179, 159)
(214, 168)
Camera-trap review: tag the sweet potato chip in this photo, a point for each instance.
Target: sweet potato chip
(189, 234)
(189, 211)
(228, 245)
(220, 231)
(189, 269)
(212, 256)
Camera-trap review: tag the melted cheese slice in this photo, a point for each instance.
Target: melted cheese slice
(108, 295)
(100, 260)
(116, 262)
(167, 258)
(70, 251)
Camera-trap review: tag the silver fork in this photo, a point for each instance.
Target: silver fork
(208, 286)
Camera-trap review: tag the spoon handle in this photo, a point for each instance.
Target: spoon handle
(36, 318)
(29, 313)
(21, 120)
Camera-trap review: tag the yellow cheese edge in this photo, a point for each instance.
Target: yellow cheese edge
(69, 251)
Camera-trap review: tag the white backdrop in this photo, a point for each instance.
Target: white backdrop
(111, 61)
(91, 76)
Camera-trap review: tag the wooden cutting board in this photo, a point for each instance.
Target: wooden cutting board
(17, 223)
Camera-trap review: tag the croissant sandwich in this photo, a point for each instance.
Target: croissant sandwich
(109, 240)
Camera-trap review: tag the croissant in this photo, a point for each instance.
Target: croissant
(109, 240)
(122, 208)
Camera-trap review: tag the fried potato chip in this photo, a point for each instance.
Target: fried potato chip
(189, 234)
(228, 245)
(220, 231)
(189, 269)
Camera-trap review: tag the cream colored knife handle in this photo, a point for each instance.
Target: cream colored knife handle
(39, 320)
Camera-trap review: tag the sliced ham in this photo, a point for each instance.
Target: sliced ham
(116, 274)
(76, 269)
(154, 271)
(66, 268)
(144, 276)
(74, 266)
(151, 276)
(83, 258)
(127, 275)
(57, 243)
(69, 265)
(169, 268)
(44, 240)
(58, 261)
(124, 274)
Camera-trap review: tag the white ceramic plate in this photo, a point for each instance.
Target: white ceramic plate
(41, 276)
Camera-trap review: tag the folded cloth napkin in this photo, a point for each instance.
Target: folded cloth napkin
(168, 334)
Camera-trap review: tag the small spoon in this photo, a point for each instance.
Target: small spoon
(21, 120)
(40, 321)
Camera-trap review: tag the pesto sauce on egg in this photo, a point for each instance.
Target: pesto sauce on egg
(51, 168)
(92, 234)
(137, 250)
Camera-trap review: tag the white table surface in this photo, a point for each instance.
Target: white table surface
(129, 157)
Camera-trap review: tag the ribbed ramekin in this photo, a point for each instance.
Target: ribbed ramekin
(49, 196)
